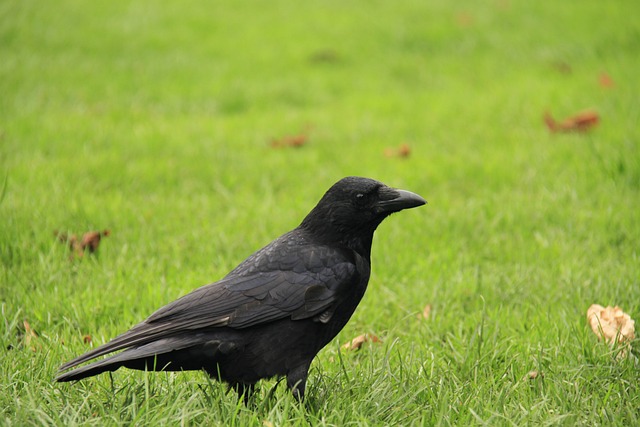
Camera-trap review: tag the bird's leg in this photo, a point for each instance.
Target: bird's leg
(245, 391)
(297, 381)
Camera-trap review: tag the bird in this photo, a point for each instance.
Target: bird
(272, 314)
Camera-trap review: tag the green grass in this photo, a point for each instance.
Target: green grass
(155, 121)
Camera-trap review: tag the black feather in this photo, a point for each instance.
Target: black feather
(272, 314)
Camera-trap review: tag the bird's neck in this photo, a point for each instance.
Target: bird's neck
(359, 242)
(361, 246)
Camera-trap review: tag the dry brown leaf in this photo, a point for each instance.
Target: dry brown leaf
(606, 81)
(357, 342)
(295, 141)
(90, 241)
(71, 240)
(403, 151)
(389, 152)
(426, 312)
(611, 324)
(580, 122)
(28, 330)
(30, 336)
(532, 375)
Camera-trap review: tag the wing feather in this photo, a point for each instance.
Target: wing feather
(244, 300)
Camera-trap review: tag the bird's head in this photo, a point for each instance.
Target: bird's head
(354, 207)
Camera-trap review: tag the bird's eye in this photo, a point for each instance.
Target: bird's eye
(360, 200)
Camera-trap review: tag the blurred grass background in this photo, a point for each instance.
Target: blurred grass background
(157, 122)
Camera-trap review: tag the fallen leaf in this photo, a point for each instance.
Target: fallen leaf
(403, 151)
(71, 240)
(606, 81)
(30, 336)
(90, 241)
(426, 312)
(532, 375)
(580, 122)
(611, 324)
(28, 330)
(290, 141)
(357, 342)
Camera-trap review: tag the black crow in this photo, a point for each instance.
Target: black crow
(273, 313)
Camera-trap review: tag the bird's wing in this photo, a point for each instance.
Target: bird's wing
(275, 283)
(309, 289)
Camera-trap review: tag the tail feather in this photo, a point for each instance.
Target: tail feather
(172, 354)
(90, 370)
(140, 335)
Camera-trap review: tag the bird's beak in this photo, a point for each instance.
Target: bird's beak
(394, 200)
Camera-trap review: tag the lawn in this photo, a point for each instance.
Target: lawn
(169, 125)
